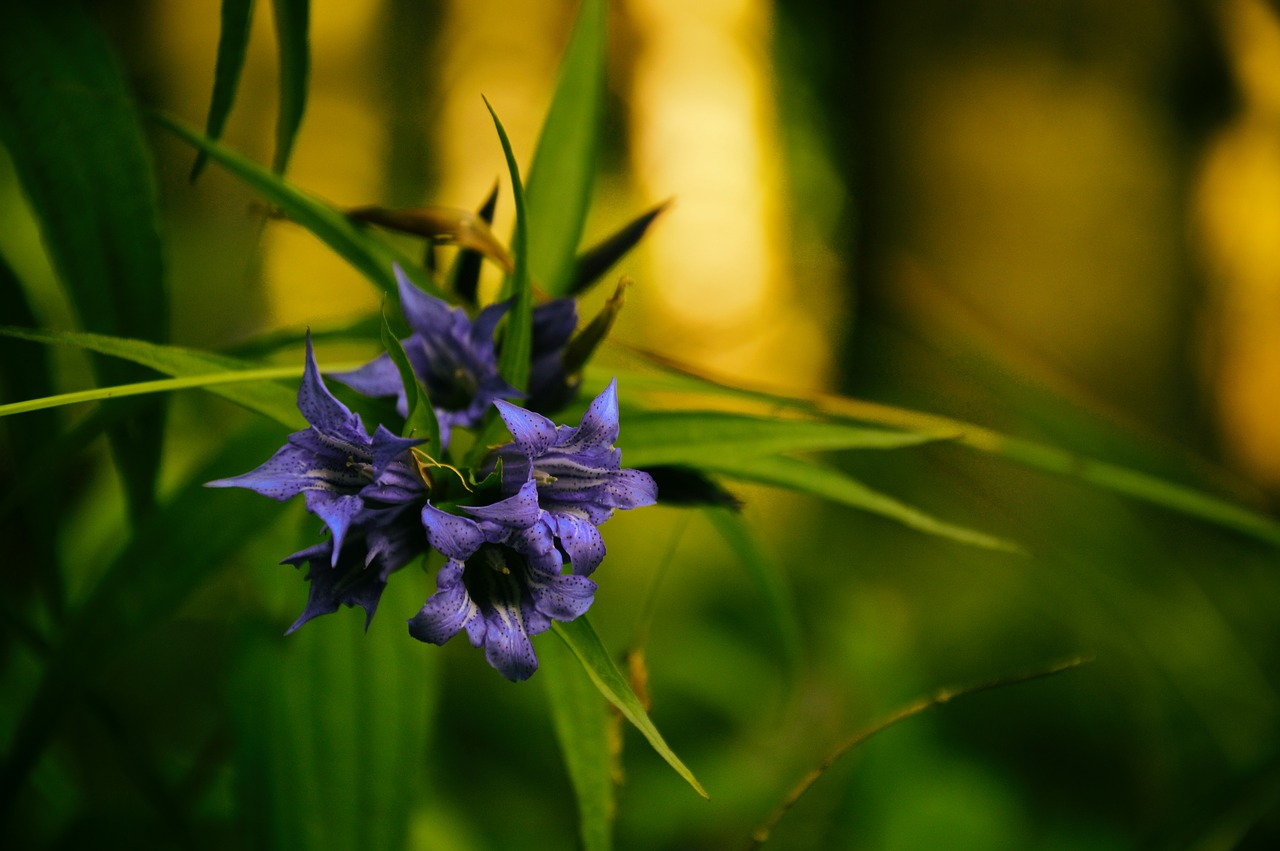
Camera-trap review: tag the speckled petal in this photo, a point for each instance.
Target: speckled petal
(532, 433)
(515, 512)
(447, 611)
(457, 537)
(319, 406)
(580, 539)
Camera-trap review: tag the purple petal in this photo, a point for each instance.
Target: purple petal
(564, 597)
(317, 404)
(337, 511)
(553, 324)
(378, 378)
(631, 489)
(580, 539)
(600, 422)
(282, 476)
(532, 433)
(486, 323)
(515, 512)
(387, 448)
(447, 611)
(506, 643)
(457, 537)
(427, 315)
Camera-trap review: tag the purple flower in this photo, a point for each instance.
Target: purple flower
(334, 464)
(503, 582)
(380, 542)
(577, 472)
(453, 356)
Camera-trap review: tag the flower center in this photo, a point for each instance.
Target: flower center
(495, 576)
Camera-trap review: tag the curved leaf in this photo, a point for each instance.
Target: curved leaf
(372, 257)
(836, 487)
(233, 43)
(690, 437)
(586, 645)
(292, 18)
(564, 162)
(517, 340)
(582, 729)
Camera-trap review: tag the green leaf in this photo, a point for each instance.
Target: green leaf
(331, 724)
(370, 256)
(292, 18)
(691, 437)
(564, 162)
(1207, 507)
(233, 43)
(67, 118)
(779, 602)
(596, 661)
(582, 729)
(839, 488)
(139, 588)
(245, 384)
(421, 421)
(517, 340)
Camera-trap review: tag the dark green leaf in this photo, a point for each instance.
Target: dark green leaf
(832, 485)
(68, 121)
(596, 661)
(684, 486)
(369, 255)
(691, 437)
(233, 42)
(593, 263)
(582, 729)
(564, 162)
(517, 340)
(292, 19)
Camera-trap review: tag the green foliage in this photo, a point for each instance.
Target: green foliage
(233, 43)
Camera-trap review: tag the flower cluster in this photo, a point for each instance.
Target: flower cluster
(519, 530)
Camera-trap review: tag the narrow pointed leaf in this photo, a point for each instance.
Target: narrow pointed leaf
(517, 340)
(834, 486)
(292, 19)
(421, 422)
(564, 162)
(585, 342)
(593, 263)
(582, 730)
(691, 437)
(370, 256)
(596, 661)
(1135, 484)
(244, 383)
(67, 119)
(233, 43)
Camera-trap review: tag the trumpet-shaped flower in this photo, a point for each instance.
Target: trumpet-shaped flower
(577, 472)
(453, 357)
(503, 582)
(334, 463)
(380, 542)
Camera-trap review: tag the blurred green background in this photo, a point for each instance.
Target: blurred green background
(1057, 219)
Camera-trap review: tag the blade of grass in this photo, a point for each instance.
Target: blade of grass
(292, 19)
(369, 255)
(564, 161)
(582, 640)
(517, 340)
(233, 43)
(1028, 453)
